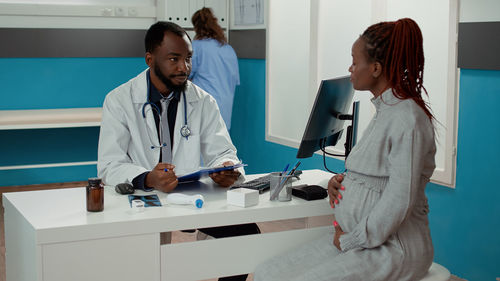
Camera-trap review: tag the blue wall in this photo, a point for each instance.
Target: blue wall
(42, 83)
(465, 221)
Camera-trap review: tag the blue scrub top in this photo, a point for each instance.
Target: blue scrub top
(215, 70)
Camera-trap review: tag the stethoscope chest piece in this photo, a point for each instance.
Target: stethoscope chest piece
(185, 131)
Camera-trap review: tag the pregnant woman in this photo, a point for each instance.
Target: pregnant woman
(381, 230)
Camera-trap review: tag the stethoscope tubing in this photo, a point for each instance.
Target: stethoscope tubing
(185, 131)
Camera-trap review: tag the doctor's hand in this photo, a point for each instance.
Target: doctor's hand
(334, 184)
(161, 180)
(226, 178)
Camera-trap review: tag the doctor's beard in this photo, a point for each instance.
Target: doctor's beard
(168, 82)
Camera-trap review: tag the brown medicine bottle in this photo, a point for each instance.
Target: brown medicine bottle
(95, 195)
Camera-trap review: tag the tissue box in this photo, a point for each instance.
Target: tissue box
(243, 197)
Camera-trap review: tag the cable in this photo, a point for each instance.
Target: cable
(324, 164)
(322, 147)
(331, 154)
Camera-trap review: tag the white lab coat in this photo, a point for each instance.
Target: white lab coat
(125, 145)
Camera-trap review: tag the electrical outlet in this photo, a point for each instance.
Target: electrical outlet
(120, 12)
(106, 12)
(132, 12)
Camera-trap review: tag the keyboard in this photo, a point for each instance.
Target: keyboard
(261, 184)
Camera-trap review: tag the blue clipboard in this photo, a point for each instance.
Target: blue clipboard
(205, 172)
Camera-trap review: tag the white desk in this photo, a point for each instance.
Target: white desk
(50, 236)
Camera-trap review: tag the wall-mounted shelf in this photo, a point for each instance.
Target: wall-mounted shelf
(51, 165)
(50, 118)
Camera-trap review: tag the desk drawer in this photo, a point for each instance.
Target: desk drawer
(228, 256)
(127, 258)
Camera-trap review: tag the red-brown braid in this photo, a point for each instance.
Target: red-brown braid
(398, 47)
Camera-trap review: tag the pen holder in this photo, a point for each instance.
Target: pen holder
(280, 187)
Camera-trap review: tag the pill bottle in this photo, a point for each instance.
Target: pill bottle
(95, 195)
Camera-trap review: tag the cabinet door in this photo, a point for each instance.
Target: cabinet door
(128, 258)
(178, 12)
(219, 7)
(195, 5)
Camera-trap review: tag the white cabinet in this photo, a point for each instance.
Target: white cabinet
(220, 9)
(181, 11)
(178, 12)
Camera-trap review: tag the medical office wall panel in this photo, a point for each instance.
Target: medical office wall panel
(248, 43)
(288, 69)
(81, 14)
(52, 42)
(327, 55)
(479, 10)
(478, 45)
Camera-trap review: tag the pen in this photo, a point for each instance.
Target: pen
(294, 168)
(292, 171)
(284, 170)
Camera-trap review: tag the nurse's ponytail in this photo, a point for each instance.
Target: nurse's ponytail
(206, 26)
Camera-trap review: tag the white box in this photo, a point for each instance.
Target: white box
(243, 197)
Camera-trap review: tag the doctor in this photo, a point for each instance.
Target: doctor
(159, 120)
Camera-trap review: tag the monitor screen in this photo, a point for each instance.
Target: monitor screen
(324, 128)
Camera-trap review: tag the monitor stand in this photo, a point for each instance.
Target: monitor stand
(352, 133)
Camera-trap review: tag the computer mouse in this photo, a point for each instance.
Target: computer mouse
(124, 188)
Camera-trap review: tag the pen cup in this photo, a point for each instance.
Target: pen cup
(281, 187)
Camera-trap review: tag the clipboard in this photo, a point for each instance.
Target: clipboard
(207, 171)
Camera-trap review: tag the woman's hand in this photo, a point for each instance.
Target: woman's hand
(334, 184)
(226, 178)
(338, 233)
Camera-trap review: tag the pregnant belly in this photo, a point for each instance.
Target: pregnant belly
(357, 202)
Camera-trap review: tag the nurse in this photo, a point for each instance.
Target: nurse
(215, 65)
(159, 120)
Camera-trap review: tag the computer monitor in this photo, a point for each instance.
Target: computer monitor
(326, 121)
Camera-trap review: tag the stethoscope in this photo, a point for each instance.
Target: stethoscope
(185, 131)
